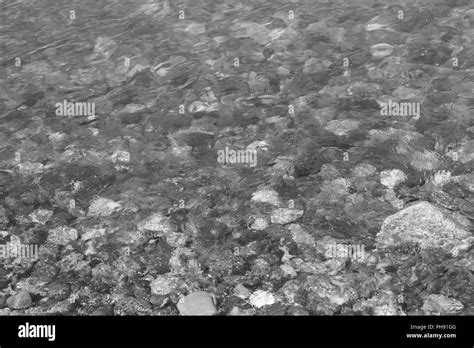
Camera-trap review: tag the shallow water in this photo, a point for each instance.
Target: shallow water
(344, 111)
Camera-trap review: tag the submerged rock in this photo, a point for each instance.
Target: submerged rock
(382, 303)
(407, 93)
(341, 127)
(284, 216)
(300, 236)
(261, 298)
(103, 207)
(41, 216)
(441, 305)
(259, 224)
(391, 178)
(241, 291)
(266, 196)
(20, 300)
(425, 225)
(164, 285)
(62, 235)
(330, 290)
(105, 46)
(197, 303)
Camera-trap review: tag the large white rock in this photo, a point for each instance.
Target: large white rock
(197, 303)
(266, 196)
(261, 298)
(425, 225)
(300, 235)
(103, 207)
(284, 216)
(391, 178)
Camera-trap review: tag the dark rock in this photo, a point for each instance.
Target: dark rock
(158, 256)
(441, 98)
(231, 85)
(34, 236)
(414, 20)
(143, 79)
(442, 84)
(4, 215)
(196, 140)
(4, 281)
(131, 119)
(33, 98)
(427, 54)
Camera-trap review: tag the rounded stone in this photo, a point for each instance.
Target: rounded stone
(20, 300)
(372, 260)
(197, 303)
(261, 298)
(426, 225)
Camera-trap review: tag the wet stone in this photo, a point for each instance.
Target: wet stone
(261, 298)
(34, 236)
(4, 281)
(426, 225)
(441, 305)
(285, 216)
(197, 303)
(62, 235)
(132, 306)
(20, 300)
(164, 285)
